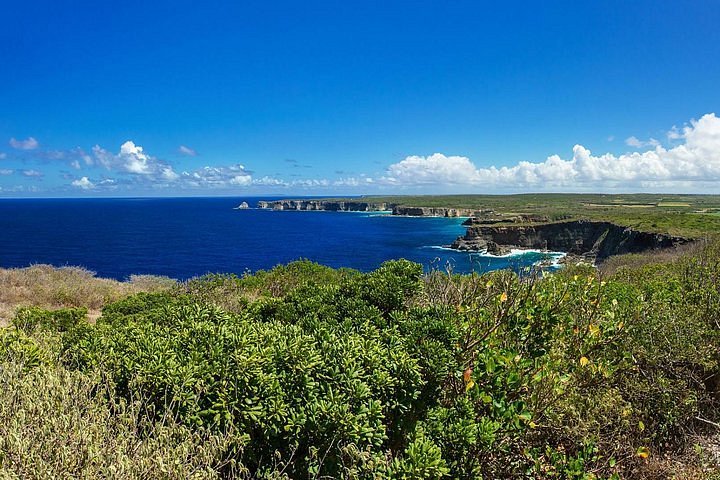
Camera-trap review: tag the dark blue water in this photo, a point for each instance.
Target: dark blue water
(186, 237)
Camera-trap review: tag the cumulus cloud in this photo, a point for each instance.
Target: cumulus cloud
(132, 159)
(6, 171)
(135, 161)
(83, 183)
(28, 144)
(182, 149)
(695, 159)
(31, 173)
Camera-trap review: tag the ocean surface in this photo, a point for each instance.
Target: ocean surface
(187, 237)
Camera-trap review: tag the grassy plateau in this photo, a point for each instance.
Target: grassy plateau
(682, 215)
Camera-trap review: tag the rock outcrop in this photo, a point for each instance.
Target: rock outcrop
(595, 239)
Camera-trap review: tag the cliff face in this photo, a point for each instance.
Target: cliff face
(360, 206)
(434, 211)
(580, 237)
(330, 206)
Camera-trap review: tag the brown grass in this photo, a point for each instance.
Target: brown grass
(50, 287)
(57, 424)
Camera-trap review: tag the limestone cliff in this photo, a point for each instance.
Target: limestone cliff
(434, 211)
(362, 206)
(325, 205)
(595, 239)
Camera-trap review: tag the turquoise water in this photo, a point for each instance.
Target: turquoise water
(186, 237)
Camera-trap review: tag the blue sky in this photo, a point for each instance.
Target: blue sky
(240, 98)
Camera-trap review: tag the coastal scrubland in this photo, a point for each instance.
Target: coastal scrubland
(304, 371)
(49, 287)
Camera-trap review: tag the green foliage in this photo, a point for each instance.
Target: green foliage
(304, 371)
(28, 319)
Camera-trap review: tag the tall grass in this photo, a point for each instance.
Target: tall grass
(59, 424)
(50, 287)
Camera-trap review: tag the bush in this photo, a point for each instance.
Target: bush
(312, 372)
(28, 319)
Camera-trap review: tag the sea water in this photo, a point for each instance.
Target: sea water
(187, 237)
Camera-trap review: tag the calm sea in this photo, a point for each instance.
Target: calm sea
(186, 237)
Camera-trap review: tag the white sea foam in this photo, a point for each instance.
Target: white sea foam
(514, 252)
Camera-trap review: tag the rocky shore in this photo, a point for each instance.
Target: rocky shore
(593, 240)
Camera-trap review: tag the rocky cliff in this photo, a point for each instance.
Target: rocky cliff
(434, 211)
(361, 206)
(594, 239)
(326, 205)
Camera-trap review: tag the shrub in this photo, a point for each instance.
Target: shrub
(312, 372)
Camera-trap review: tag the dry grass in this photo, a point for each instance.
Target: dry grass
(50, 287)
(700, 461)
(55, 424)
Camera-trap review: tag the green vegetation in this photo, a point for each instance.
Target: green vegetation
(309, 372)
(683, 215)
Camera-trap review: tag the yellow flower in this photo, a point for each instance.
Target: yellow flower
(643, 452)
(584, 361)
(503, 297)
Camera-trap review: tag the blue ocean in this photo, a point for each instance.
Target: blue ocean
(187, 237)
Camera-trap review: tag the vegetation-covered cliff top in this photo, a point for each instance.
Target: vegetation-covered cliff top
(681, 215)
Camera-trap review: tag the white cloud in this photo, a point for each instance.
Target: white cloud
(83, 183)
(354, 181)
(312, 182)
(217, 177)
(75, 164)
(434, 169)
(267, 181)
(32, 173)
(6, 171)
(637, 143)
(696, 160)
(80, 154)
(187, 151)
(132, 159)
(28, 144)
(674, 133)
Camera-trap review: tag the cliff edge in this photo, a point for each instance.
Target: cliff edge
(594, 239)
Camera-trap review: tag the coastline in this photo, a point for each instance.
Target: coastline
(501, 235)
